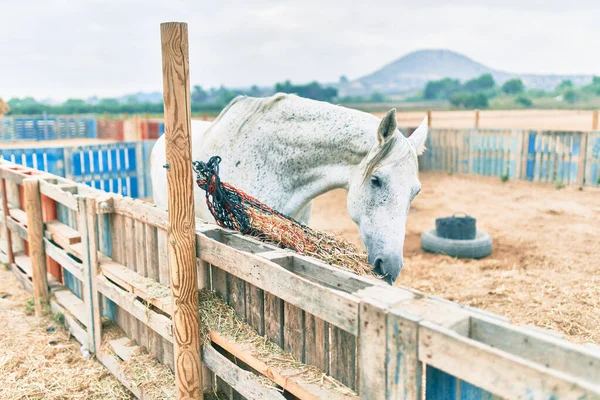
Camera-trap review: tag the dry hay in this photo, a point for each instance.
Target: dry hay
(217, 316)
(321, 245)
(142, 369)
(39, 359)
(236, 210)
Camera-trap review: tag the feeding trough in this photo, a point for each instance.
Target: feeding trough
(457, 236)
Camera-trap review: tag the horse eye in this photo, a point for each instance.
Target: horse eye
(375, 181)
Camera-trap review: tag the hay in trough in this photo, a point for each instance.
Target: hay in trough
(142, 369)
(234, 209)
(216, 315)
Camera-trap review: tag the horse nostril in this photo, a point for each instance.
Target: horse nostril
(378, 266)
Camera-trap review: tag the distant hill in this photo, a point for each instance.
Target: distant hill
(411, 73)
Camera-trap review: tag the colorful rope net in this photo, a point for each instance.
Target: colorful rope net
(236, 210)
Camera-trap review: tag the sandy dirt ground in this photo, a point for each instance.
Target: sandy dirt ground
(544, 268)
(38, 359)
(570, 120)
(557, 120)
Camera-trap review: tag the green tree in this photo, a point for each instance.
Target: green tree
(441, 89)
(570, 95)
(513, 86)
(524, 101)
(312, 90)
(198, 94)
(470, 101)
(483, 82)
(377, 97)
(563, 86)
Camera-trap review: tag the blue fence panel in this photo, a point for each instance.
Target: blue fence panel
(45, 127)
(113, 167)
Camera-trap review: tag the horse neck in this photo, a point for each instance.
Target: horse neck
(324, 146)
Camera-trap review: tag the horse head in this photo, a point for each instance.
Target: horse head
(381, 190)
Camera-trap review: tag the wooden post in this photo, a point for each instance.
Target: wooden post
(476, 118)
(181, 233)
(95, 326)
(7, 232)
(429, 118)
(583, 153)
(35, 238)
(595, 120)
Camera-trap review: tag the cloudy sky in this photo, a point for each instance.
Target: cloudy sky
(79, 48)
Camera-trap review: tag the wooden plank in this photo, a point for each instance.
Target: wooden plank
(71, 323)
(62, 257)
(95, 328)
(559, 355)
(255, 308)
(151, 243)
(82, 227)
(63, 234)
(496, 371)
(19, 215)
(335, 307)
(372, 349)
(317, 342)
(5, 215)
(321, 273)
(290, 380)
(77, 249)
(163, 278)
(129, 262)
(141, 211)
(14, 226)
(581, 164)
(236, 296)
(123, 347)
(244, 382)
(273, 318)
(181, 227)
(293, 331)
(343, 357)
(58, 194)
(73, 304)
(404, 370)
(22, 278)
(113, 365)
(128, 302)
(155, 294)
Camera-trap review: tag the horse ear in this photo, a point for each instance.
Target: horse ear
(387, 127)
(419, 136)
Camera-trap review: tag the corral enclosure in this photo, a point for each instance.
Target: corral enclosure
(366, 339)
(373, 339)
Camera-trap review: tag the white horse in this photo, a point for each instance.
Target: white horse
(286, 150)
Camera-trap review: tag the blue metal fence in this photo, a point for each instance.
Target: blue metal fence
(113, 167)
(47, 127)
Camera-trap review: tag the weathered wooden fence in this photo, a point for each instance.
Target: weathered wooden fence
(379, 342)
(539, 156)
(120, 167)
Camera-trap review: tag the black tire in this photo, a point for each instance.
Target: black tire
(479, 247)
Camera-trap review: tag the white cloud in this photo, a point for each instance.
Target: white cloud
(78, 48)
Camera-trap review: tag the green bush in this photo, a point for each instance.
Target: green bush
(524, 101)
(513, 86)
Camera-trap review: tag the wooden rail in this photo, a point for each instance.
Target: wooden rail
(375, 341)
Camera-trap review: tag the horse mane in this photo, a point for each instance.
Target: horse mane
(384, 151)
(252, 108)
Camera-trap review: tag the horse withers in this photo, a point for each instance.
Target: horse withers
(285, 150)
